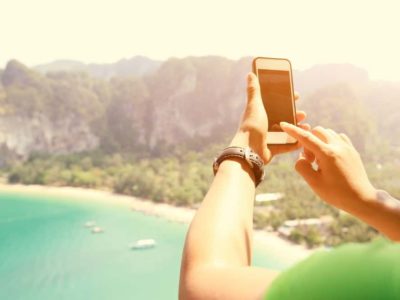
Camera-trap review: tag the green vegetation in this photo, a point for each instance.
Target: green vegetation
(154, 134)
(179, 181)
(184, 177)
(306, 235)
(301, 203)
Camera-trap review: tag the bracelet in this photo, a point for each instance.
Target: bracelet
(253, 159)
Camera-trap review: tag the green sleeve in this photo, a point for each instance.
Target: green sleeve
(352, 271)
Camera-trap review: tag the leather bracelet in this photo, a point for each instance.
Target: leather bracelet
(253, 159)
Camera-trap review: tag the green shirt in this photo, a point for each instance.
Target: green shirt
(352, 271)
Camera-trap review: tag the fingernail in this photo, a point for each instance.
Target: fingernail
(284, 124)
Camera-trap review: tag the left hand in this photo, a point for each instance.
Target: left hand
(253, 127)
(341, 179)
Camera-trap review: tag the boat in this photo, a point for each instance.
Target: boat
(90, 224)
(143, 244)
(97, 229)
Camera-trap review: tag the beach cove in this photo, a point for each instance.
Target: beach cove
(47, 252)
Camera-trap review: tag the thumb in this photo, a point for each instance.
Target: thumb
(253, 88)
(305, 169)
(266, 155)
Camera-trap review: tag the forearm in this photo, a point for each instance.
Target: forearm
(381, 212)
(217, 254)
(221, 231)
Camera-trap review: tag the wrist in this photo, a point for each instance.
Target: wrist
(253, 161)
(243, 139)
(249, 139)
(382, 212)
(384, 201)
(366, 203)
(234, 165)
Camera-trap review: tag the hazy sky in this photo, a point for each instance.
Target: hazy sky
(365, 33)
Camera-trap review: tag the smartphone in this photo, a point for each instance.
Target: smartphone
(276, 83)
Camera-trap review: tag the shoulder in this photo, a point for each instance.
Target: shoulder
(353, 269)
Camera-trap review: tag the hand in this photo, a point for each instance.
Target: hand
(300, 116)
(341, 179)
(253, 127)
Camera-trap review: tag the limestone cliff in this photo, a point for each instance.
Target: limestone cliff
(21, 136)
(188, 102)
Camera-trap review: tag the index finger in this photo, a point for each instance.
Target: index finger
(306, 138)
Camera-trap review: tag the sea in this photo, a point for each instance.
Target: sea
(47, 252)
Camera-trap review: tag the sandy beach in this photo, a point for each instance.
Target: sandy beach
(268, 240)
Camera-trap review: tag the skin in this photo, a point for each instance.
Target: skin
(341, 179)
(216, 261)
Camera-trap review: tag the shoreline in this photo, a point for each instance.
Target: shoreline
(285, 250)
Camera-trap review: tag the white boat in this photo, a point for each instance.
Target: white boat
(143, 244)
(97, 229)
(90, 224)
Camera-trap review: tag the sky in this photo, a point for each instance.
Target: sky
(308, 32)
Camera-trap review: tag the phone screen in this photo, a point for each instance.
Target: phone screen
(276, 94)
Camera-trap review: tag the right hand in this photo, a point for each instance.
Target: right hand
(253, 126)
(340, 179)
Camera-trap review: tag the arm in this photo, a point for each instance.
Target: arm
(384, 215)
(217, 254)
(341, 179)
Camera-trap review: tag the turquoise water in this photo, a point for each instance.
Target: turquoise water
(47, 253)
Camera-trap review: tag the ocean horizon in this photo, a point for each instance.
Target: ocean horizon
(47, 252)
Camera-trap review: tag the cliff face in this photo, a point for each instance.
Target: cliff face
(20, 136)
(188, 102)
(202, 101)
(34, 119)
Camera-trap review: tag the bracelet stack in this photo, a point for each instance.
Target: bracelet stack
(247, 154)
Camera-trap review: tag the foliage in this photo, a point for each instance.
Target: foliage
(181, 181)
(306, 235)
(157, 135)
(184, 178)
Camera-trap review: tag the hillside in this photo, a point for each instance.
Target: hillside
(189, 102)
(135, 66)
(154, 136)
